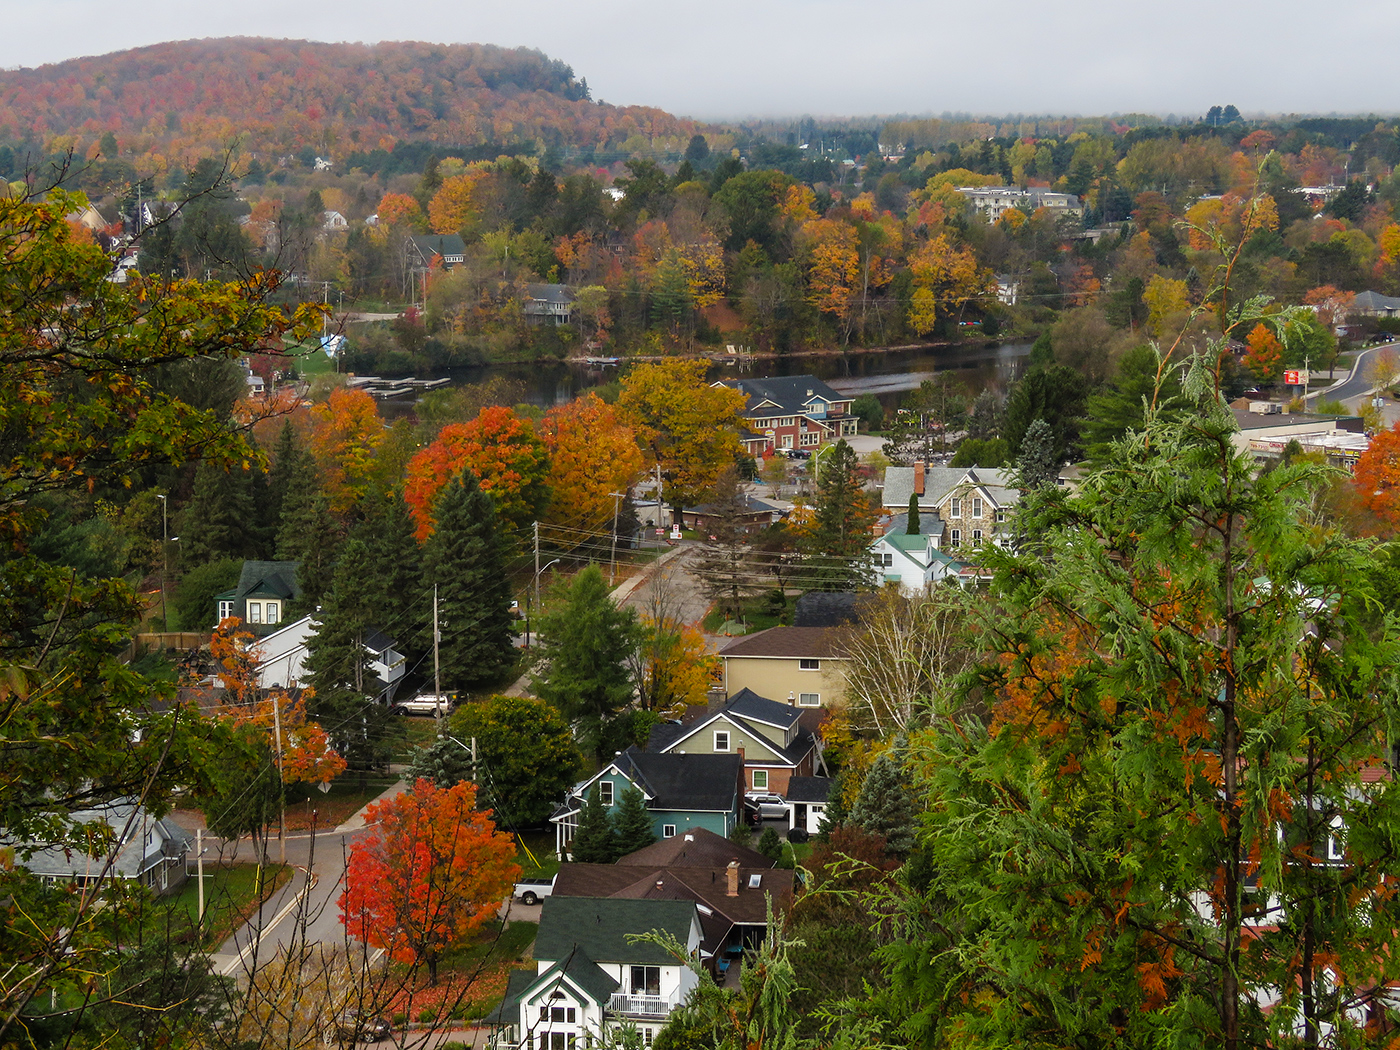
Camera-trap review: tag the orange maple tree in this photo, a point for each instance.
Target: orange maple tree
(1265, 357)
(431, 871)
(303, 748)
(592, 455)
(499, 447)
(345, 432)
(1377, 476)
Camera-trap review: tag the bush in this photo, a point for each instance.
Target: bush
(193, 604)
(427, 1015)
(770, 845)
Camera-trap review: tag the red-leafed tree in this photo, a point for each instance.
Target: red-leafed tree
(503, 452)
(431, 871)
(1377, 476)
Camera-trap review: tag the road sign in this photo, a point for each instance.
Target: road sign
(1295, 377)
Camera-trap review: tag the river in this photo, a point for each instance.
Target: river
(886, 374)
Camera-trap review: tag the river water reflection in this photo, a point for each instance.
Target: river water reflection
(887, 374)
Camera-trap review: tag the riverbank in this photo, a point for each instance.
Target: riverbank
(721, 358)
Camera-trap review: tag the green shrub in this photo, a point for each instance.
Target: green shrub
(427, 1014)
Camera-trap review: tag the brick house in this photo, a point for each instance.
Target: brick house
(792, 412)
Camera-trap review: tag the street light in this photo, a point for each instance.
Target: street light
(817, 462)
(528, 621)
(164, 560)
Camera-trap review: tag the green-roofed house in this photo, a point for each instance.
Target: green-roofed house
(913, 560)
(260, 600)
(589, 979)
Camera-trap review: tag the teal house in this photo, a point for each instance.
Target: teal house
(683, 792)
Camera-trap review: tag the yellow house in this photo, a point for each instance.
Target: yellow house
(800, 666)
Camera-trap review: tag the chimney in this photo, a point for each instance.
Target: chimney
(659, 883)
(919, 478)
(731, 879)
(740, 752)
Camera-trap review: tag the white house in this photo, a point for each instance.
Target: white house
(282, 662)
(913, 562)
(589, 979)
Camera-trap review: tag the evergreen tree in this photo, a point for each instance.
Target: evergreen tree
(885, 804)
(403, 607)
(1054, 394)
(220, 520)
(588, 642)
(311, 536)
(594, 841)
(291, 465)
(838, 548)
(463, 559)
(1122, 407)
(741, 834)
(348, 701)
(1037, 464)
(984, 417)
(770, 845)
(836, 814)
(913, 527)
(632, 823)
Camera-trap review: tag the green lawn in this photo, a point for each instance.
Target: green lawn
(541, 845)
(756, 614)
(230, 898)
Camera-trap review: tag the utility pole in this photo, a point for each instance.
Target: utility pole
(282, 811)
(199, 870)
(437, 665)
(164, 556)
(658, 495)
(617, 509)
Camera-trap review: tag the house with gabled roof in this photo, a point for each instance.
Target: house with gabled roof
(282, 659)
(140, 848)
(547, 303)
(590, 978)
(769, 737)
(807, 799)
(439, 250)
(802, 666)
(977, 509)
(733, 888)
(792, 412)
(261, 597)
(682, 792)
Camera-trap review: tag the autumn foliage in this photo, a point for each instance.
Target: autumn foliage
(501, 449)
(431, 871)
(1377, 476)
(592, 455)
(346, 432)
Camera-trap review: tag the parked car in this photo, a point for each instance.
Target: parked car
(531, 890)
(770, 805)
(426, 704)
(801, 453)
(350, 1027)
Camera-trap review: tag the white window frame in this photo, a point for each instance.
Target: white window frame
(760, 775)
(254, 612)
(809, 699)
(668, 831)
(273, 612)
(976, 537)
(954, 537)
(1001, 515)
(225, 610)
(976, 506)
(808, 663)
(605, 792)
(722, 741)
(955, 507)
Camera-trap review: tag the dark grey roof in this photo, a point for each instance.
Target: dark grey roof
(696, 782)
(696, 848)
(1374, 302)
(443, 244)
(550, 293)
(750, 706)
(825, 609)
(148, 842)
(930, 524)
(599, 926)
(277, 579)
(508, 1010)
(809, 789)
(664, 734)
(790, 393)
(752, 505)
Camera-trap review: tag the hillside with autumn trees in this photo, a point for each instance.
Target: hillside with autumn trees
(173, 103)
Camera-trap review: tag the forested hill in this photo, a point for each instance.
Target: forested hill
(185, 99)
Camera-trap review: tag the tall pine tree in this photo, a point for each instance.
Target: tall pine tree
(463, 558)
(634, 826)
(838, 549)
(885, 804)
(595, 841)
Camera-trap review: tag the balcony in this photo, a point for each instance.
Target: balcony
(641, 1005)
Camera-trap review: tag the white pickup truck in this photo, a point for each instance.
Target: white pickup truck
(531, 890)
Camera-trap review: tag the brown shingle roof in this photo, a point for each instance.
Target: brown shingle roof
(705, 886)
(788, 643)
(694, 849)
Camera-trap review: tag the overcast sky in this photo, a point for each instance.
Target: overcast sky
(735, 58)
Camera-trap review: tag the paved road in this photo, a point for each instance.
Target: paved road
(1356, 385)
